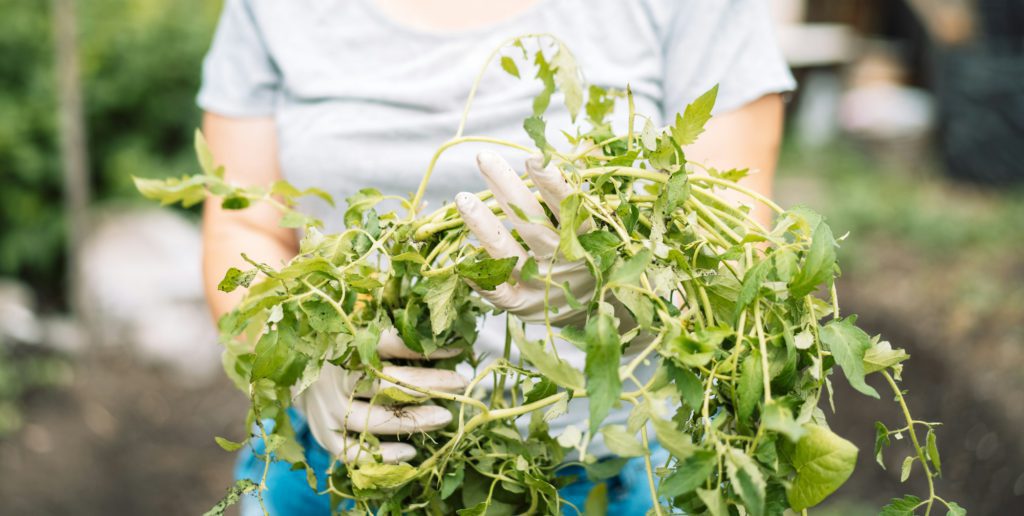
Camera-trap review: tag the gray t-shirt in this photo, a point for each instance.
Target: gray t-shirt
(361, 100)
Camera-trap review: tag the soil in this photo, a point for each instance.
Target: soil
(123, 438)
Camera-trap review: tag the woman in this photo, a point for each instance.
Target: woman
(349, 94)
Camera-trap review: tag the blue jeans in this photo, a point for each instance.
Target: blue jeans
(289, 493)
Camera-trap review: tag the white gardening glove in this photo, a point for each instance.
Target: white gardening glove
(332, 412)
(525, 299)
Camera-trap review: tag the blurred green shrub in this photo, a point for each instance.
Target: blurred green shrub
(140, 63)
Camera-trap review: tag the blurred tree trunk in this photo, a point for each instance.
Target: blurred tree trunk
(73, 146)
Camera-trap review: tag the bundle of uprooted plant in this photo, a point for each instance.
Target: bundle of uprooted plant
(727, 310)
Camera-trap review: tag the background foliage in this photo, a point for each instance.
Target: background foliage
(140, 71)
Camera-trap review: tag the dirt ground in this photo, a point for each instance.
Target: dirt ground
(124, 438)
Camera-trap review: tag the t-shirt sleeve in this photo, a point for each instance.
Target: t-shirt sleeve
(240, 77)
(726, 42)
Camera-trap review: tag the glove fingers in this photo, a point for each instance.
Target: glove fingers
(390, 346)
(510, 190)
(379, 420)
(390, 453)
(424, 377)
(552, 186)
(488, 229)
(503, 296)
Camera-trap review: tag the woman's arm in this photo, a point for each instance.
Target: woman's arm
(748, 137)
(247, 148)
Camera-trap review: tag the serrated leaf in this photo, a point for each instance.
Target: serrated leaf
(187, 190)
(848, 344)
(235, 278)
(440, 291)
(747, 480)
(778, 418)
(621, 442)
(677, 442)
(628, 273)
(712, 499)
(690, 474)
(602, 367)
(487, 273)
(901, 506)
(366, 340)
(572, 216)
(882, 356)
(567, 77)
(322, 316)
(553, 368)
(818, 264)
(203, 154)
(955, 509)
(881, 441)
(690, 388)
(823, 461)
(691, 123)
(381, 476)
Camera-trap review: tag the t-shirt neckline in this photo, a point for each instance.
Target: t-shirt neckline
(375, 10)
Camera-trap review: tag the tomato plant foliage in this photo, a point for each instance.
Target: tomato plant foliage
(729, 311)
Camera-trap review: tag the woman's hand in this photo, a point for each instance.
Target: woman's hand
(526, 299)
(333, 407)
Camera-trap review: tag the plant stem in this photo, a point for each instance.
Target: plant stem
(921, 457)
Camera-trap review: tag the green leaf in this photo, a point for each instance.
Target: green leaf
(487, 273)
(381, 476)
(509, 65)
(479, 509)
(567, 77)
(601, 246)
(295, 219)
(599, 105)
(689, 475)
(712, 499)
(228, 445)
(750, 388)
(848, 344)
(677, 442)
(534, 127)
(235, 278)
(932, 448)
(572, 216)
(819, 262)
(905, 469)
(439, 296)
(752, 281)
(602, 367)
(881, 441)
(823, 461)
(747, 480)
(881, 356)
(530, 270)
(322, 316)
(241, 488)
(553, 368)
(621, 442)
(676, 191)
(204, 155)
(628, 273)
(234, 202)
(690, 388)
(597, 501)
(547, 78)
(690, 124)
(366, 340)
(901, 506)
(188, 190)
(780, 419)
(955, 509)
(453, 479)
(271, 356)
